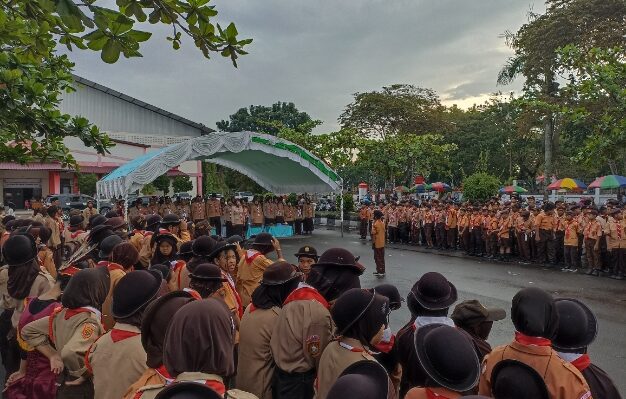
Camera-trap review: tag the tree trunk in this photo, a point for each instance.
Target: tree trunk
(548, 132)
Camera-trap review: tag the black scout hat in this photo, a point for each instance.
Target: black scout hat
(207, 272)
(203, 246)
(577, 327)
(263, 240)
(340, 257)
(434, 292)
(219, 247)
(472, 312)
(447, 356)
(391, 292)
(99, 233)
(152, 221)
(134, 291)
(533, 313)
(107, 245)
(96, 220)
(188, 390)
(363, 380)
(279, 273)
(76, 220)
(350, 307)
(185, 251)
(19, 249)
(516, 380)
(170, 220)
(307, 252)
(116, 222)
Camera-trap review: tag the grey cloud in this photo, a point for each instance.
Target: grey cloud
(318, 53)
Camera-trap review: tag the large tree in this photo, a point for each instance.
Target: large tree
(585, 23)
(396, 109)
(270, 120)
(33, 74)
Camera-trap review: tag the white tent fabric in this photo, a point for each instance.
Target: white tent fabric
(275, 164)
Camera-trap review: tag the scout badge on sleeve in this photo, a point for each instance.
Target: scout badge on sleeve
(88, 330)
(313, 345)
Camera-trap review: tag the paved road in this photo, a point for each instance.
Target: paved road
(494, 284)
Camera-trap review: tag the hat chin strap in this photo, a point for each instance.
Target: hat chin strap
(360, 314)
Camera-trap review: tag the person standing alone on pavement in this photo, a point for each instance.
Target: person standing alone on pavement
(378, 243)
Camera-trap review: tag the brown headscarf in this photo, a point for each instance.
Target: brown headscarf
(88, 287)
(201, 339)
(155, 322)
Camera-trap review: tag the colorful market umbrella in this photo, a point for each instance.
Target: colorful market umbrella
(420, 188)
(567, 184)
(609, 181)
(513, 189)
(440, 187)
(402, 189)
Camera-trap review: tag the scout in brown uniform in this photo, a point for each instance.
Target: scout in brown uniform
(198, 210)
(183, 210)
(116, 272)
(205, 355)
(428, 301)
(559, 232)
(476, 231)
(74, 234)
(53, 222)
(147, 249)
(523, 229)
(89, 212)
(308, 214)
(176, 227)
(504, 239)
(545, 224)
(577, 329)
(167, 208)
(360, 317)
(117, 359)
(290, 214)
(570, 243)
(364, 218)
(452, 220)
(256, 213)
(156, 320)
(449, 361)
(378, 243)
(592, 234)
(44, 254)
(237, 218)
(304, 326)
(280, 211)
(307, 257)
(254, 263)
(137, 209)
(214, 212)
(477, 320)
(616, 239)
(153, 207)
(66, 335)
(535, 317)
(255, 368)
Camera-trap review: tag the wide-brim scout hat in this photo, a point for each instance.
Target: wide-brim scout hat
(279, 273)
(107, 245)
(186, 249)
(203, 246)
(134, 291)
(340, 257)
(152, 221)
(391, 292)
(447, 356)
(510, 378)
(96, 220)
(188, 390)
(363, 379)
(207, 272)
(263, 240)
(99, 233)
(170, 220)
(472, 312)
(577, 326)
(116, 222)
(235, 239)
(76, 221)
(307, 252)
(434, 292)
(19, 249)
(533, 313)
(159, 238)
(219, 247)
(350, 307)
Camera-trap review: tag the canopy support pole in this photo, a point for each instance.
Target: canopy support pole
(341, 205)
(97, 198)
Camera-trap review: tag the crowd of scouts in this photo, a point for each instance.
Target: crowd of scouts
(164, 310)
(570, 236)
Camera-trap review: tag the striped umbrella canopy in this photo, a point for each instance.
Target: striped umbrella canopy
(512, 189)
(440, 187)
(609, 181)
(568, 184)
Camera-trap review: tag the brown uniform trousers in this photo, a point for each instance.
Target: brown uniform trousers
(249, 275)
(72, 338)
(562, 379)
(303, 329)
(421, 393)
(151, 391)
(255, 367)
(546, 247)
(592, 254)
(116, 359)
(334, 361)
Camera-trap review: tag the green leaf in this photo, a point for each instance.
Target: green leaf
(231, 30)
(70, 14)
(111, 51)
(138, 36)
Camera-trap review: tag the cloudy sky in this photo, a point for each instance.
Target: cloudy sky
(318, 53)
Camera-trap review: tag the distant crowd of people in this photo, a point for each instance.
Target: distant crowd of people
(165, 310)
(571, 236)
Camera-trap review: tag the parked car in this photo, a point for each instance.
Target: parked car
(182, 196)
(68, 202)
(244, 195)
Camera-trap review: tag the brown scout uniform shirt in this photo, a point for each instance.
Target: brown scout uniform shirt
(46, 260)
(303, 329)
(71, 332)
(42, 284)
(149, 377)
(378, 234)
(250, 273)
(562, 379)
(198, 211)
(255, 366)
(237, 215)
(335, 359)
(116, 359)
(420, 393)
(134, 212)
(55, 236)
(88, 213)
(167, 209)
(213, 208)
(256, 211)
(151, 391)
(116, 272)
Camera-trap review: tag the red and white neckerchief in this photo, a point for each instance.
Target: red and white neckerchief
(162, 371)
(352, 348)
(579, 360)
(118, 335)
(75, 234)
(231, 283)
(251, 255)
(528, 340)
(306, 292)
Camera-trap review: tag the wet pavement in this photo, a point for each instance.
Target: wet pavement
(494, 284)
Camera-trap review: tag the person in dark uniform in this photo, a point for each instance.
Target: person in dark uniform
(428, 301)
(577, 329)
(477, 320)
